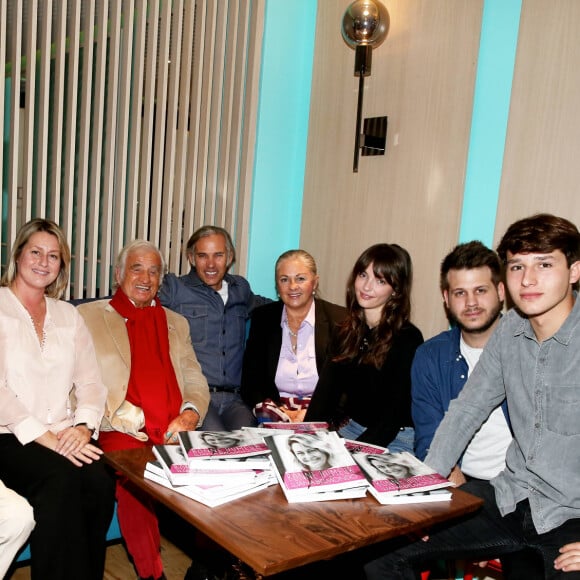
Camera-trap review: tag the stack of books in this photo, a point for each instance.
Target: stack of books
(213, 467)
(309, 462)
(401, 478)
(314, 466)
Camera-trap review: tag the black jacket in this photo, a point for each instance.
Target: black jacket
(265, 341)
(379, 399)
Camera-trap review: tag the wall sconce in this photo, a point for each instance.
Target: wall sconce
(364, 26)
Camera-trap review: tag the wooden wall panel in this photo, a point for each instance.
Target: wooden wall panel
(423, 79)
(541, 171)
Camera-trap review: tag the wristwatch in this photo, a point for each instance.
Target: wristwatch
(91, 429)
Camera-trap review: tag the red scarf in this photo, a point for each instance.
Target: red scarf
(152, 383)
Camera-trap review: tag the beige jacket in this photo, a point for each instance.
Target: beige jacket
(111, 342)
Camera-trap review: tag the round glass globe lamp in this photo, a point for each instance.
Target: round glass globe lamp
(365, 23)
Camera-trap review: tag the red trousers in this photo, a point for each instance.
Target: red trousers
(136, 512)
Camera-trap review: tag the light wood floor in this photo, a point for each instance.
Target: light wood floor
(118, 566)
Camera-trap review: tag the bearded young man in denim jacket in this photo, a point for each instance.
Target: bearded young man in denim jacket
(473, 293)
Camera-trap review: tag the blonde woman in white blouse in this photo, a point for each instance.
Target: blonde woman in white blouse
(51, 404)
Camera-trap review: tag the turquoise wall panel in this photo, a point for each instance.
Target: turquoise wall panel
(495, 67)
(282, 135)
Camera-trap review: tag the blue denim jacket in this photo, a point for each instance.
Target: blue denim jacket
(218, 331)
(542, 384)
(438, 374)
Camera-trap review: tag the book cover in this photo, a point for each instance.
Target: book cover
(416, 497)
(398, 473)
(220, 444)
(309, 463)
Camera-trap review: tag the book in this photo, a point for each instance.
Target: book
(179, 471)
(267, 428)
(173, 463)
(213, 495)
(229, 464)
(156, 468)
(213, 480)
(362, 447)
(221, 444)
(310, 496)
(398, 473)
(307, 464)
(416, 497)
(298, 427)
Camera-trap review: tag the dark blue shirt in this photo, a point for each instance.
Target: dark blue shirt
(218, 331)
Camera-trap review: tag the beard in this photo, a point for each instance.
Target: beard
(485, 325)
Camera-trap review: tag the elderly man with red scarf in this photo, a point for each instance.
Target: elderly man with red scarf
(156, 387)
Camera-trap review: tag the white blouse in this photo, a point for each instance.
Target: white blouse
(48, 386)
(296, 374)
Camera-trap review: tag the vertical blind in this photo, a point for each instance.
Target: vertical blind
(125, 119)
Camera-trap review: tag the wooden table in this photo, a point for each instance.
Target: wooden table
(271, 536)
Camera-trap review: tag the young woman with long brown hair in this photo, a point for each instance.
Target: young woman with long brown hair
(365, 392)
